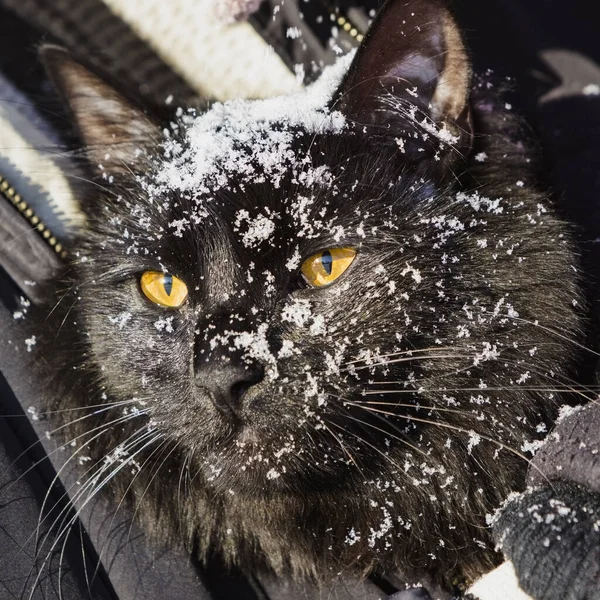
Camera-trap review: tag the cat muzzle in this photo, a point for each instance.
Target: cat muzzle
(226, 384)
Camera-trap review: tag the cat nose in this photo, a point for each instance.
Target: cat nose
(227, 383)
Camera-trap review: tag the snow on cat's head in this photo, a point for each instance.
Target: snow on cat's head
(249, 139)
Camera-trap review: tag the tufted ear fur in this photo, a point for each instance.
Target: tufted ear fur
(113, 130)
(413, 56)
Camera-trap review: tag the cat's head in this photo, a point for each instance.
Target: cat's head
(341, 285)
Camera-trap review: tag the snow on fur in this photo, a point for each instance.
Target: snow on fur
(249, 138)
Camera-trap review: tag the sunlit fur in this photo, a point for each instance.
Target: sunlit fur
(414, 435)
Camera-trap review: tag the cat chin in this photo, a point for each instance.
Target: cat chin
(268, 484)
(252, 472)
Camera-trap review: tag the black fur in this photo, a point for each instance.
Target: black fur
(460, 260)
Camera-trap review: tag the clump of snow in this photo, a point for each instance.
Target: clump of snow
(352, 538)
(254, 344)
(474, 439)
(273, 474)
(481, 203)
(297, 311)
(251, 138)
(414, 273)
(533, 446)
(165, 324)
(442, 133)
(287, 349)
(489, 352)
(258, 229)
(121, 319)
(566, 411)
(294, 261)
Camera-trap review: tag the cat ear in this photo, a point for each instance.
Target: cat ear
(114, 131)
(412, 56)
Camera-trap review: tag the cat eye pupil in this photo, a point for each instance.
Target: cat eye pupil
(326, 266)
(163, 289)
(327, 261)
(168, 284)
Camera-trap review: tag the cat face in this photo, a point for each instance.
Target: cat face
(265, 373)
(260, 359)
(352, 287)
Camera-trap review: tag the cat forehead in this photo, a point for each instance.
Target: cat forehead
(251, 141)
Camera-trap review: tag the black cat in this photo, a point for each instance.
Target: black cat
(326, 328)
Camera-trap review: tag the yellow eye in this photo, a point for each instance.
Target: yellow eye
(164, 289)
(326, 266)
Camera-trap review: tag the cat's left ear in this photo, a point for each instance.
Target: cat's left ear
(115, 132)
(412, 64)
